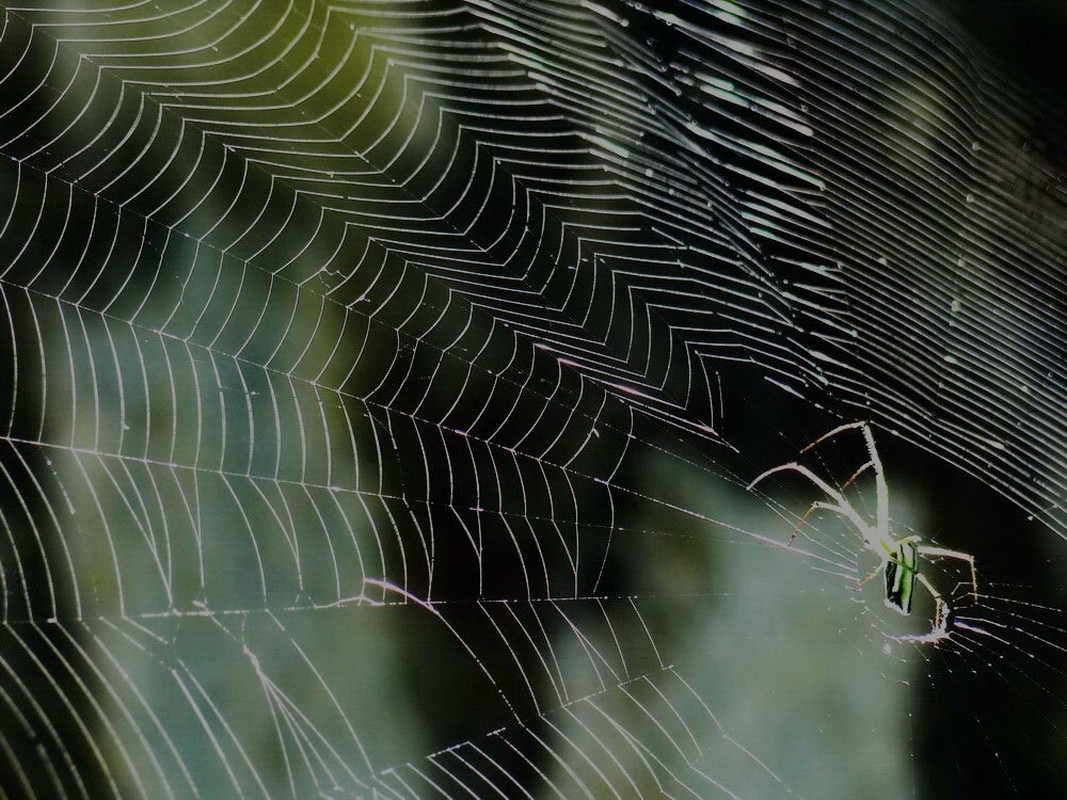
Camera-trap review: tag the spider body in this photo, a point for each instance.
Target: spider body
(899, 557)
(901, 570)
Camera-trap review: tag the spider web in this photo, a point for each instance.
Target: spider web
(382, 382)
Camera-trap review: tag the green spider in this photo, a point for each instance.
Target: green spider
(899, 557)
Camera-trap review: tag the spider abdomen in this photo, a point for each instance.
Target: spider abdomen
(900, 574)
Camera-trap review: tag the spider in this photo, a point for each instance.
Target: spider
(900, 557)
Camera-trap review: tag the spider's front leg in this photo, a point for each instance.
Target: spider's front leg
(879, 570)
(881, 486)
(816, 506)
(840, 505)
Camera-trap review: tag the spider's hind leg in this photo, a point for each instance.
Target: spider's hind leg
(941, 552)
(942, 610)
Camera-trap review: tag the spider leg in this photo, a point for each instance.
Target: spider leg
(941, 608)
(864, 581)
(846, 427)
(817, 505)
(856, 474)
(882, 516)
(941, 552)
(881, 486)
(800, 522)
(841, 505)
(939, 631)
